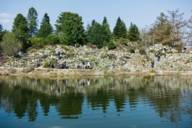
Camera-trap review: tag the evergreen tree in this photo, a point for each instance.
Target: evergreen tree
(95, 34)
(21, 31)
(32, 21)
(1, 32)
(70, 28)
(120, 30)
(1, 28)
(133, 33)
(106, 31)
(45, 28)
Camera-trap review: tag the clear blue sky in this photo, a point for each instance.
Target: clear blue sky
(141, 12)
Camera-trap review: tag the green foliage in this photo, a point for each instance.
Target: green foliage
(95, 34)
(38, 42)
(142, 51)
(52, 39)
(45, 28)
(111, 45)
(32, 21)
(20, 29)
(70, 28)
(10, 44)
(133, 33)
(120, 30)
(50, 63)
(162, 30)
(99, 35)
(1, 32)
(1, 28)
(107, 35)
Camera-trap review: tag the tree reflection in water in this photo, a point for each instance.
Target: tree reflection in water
(165, 94)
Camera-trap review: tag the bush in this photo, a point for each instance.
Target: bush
(10, 44)
(52, 39)
(122, 41)
(37, 42)
(131, 50)
(142, 51)
(111, 45)
(50, 63)
(62, 39)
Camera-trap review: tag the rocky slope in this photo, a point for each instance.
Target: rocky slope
(156, 57)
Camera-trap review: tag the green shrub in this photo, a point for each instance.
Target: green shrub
(10, 44)
(122, 41)
(142, 51)
(37, 42)
(62, 39)
(52, 39)
(50, 63)
(111, 45)
(131, 50)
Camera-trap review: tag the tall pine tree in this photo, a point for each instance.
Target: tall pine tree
(99, 34)
(133, 33)
(1, 28)
(45, 28)
(21, 31)
(32, 21)
(70, 28)
(95, 34)
(1, 32)
(120, 30)
(106, 31)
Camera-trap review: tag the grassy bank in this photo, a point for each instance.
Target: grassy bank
(65, 73)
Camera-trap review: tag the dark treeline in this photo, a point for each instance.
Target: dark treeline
(168, 29)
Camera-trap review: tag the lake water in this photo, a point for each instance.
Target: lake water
(129, 102)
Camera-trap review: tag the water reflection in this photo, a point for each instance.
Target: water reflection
(170, 97)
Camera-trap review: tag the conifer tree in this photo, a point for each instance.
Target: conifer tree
(1, 32)
(120, 30)
(133, 33)
(32, 21)
(1, 28)
(45, 28)
(95, 34)
(70, 28)
(21, 31)
(106, 31)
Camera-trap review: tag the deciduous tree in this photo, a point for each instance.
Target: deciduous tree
(10, 44)
(189, 33)
(161, 31)
(178, 23)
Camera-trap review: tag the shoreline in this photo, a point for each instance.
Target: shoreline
(63, 73)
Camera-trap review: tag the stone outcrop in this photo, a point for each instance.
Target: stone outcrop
(157, 57)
